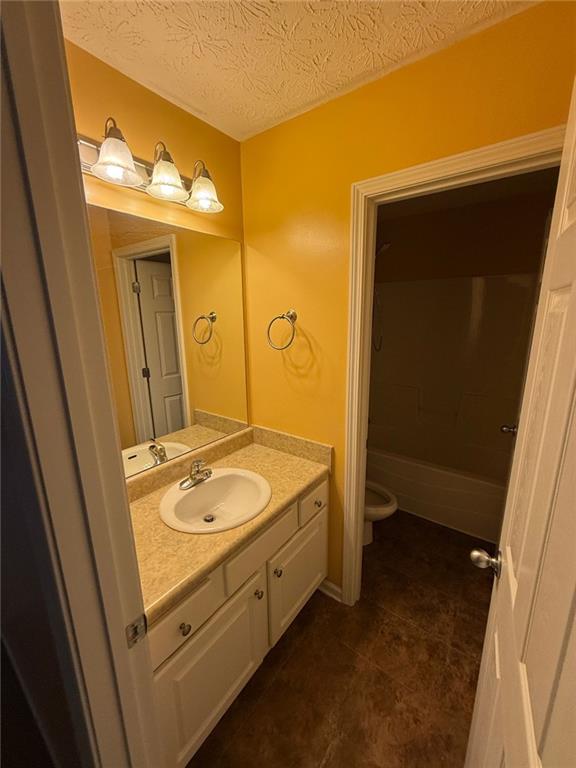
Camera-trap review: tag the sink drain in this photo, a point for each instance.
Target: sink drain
(208, 518)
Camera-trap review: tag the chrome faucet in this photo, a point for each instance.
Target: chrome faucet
(197, 475)
(158, 452)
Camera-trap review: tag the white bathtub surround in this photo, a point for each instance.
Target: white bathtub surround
(455, 499)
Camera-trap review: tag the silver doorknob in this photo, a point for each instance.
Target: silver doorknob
(509, 429)
(482, 559)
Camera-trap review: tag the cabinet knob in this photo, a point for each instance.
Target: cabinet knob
(259, 594)
(318, 503)
(185, 629)
(278, 572)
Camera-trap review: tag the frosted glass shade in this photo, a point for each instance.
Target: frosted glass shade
(116, 164)
(166, 183)
(203, 196)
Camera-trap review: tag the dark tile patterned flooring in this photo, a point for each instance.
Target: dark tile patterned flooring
(388, 683)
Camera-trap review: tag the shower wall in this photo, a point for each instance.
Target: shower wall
(449, 369)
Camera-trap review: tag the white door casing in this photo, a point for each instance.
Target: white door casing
(158, 316)
(530, 627)
(51, 296)
(532, 152)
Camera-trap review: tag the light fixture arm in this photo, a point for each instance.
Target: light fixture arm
(161, 153)
(111, 130)
(200, 170)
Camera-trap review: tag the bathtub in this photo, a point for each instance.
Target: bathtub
(458, 500)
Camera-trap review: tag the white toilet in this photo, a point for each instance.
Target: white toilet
(379, 503)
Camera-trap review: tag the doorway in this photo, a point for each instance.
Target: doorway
(147, 283)
(456, 280)
(539, 151)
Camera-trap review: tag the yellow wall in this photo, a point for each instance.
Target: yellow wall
(211, 280)
(511, 79)
(102, 258)
(99, 91)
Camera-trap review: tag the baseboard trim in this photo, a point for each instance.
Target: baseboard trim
(331, 589)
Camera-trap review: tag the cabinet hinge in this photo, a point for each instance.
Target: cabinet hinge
(136, 286)
(136, 630)
(145, 373)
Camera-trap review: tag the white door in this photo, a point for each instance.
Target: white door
(161, 343)
(525, 709)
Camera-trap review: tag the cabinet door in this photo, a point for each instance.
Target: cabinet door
(295, 573)
(194, 687)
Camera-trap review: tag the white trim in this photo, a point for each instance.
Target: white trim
(331, 589)
(532, 152)
(52, 299)
(133, 342)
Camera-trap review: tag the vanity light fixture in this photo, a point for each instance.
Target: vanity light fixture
(115, 162)
(203, 196)
(162, 180)
(166, 183)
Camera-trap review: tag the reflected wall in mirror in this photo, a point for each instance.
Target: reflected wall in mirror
(173, 317)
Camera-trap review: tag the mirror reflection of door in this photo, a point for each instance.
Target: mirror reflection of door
(160, 341)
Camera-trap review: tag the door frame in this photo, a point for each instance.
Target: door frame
(532, 152)
(132, 331)
(65, 400)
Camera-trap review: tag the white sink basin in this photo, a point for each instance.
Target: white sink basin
(226, 500)
(138, 457)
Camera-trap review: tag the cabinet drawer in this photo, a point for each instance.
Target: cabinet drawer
(316, 500)
(167, 635)
(197, 685)
(243, 565)
(295, 573)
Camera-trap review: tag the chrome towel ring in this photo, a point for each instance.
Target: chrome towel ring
(210, 319)
(291, 317)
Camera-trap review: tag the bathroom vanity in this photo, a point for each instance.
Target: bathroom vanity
(216, 603)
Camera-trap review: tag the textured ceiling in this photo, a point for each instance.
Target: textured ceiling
(245, 65)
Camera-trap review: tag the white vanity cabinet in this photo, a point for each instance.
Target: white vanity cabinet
(295, 573)
(231, 620)
(198, 683)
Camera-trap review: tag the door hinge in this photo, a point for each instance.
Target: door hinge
(136, 286)
(136, 630)
(145, 373)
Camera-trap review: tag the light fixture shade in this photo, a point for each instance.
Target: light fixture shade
(115, 162)
(203, 196)
(166, 183)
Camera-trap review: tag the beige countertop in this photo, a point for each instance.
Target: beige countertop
(172, 563)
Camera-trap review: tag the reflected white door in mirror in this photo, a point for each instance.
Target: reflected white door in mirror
(154, 281)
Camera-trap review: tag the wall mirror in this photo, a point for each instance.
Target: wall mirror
(173, 317)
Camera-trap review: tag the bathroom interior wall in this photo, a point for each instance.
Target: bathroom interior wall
(511, 79)
(506, 81)
(454, 299)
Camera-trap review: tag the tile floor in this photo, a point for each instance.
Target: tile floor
(388, 683)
